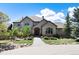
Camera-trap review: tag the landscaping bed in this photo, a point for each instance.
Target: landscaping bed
(13, 44)
(6, 45)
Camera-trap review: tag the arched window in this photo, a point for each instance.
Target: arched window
(49, 31)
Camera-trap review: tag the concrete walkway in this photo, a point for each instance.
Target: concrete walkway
(38, 42)
(40, 48)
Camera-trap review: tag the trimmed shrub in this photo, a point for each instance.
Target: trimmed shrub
(53, 38)
(30, 38)
(46, 38)
(56, 35)
(77, 40)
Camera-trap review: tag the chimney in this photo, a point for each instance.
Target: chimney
(22, 17)
(43, 17)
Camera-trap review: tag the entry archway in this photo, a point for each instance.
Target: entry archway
(37, 31)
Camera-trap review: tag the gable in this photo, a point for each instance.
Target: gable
(27, 21)
(50, 24)
(32, 18)
(41, 23)
(24, 21)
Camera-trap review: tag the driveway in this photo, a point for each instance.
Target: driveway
(40, 48)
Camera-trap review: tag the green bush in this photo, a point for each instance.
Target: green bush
(50, 38)
(26, 31)
(53, 38)
(77, 40)
(4, 36)
(46, 38)
(56, 35)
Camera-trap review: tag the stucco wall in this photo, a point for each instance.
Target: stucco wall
(43, 25)
(47, 26)
(27, 20)
(24, 22)
(60, 31)
(16, 24)
(39, 26)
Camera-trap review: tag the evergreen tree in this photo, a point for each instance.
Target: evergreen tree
(68, 26)
(76, 16)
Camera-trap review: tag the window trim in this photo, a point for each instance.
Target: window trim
(49, 30)
(26, 23)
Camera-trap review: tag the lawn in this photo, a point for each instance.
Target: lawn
(16, 42)
(61, 41)
(24, 42)
(5, 41)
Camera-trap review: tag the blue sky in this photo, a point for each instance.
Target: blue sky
(17, 10)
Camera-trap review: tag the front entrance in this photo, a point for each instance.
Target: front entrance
(36, 31)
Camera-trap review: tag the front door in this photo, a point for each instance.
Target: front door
(37, 31)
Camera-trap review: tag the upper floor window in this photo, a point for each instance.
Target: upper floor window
(0, 17)
(18, 24)
(26, 23)
(49, 31)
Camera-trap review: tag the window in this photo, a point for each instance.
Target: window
(49, 31)
(18, 24)
(0, 18)
(26, 23)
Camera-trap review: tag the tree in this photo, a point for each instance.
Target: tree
(3, 17)
(3, 27)
(68, 26)
(76, 21)
(26, 31)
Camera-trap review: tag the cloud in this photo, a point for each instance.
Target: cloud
(71, 11)
(52, 15)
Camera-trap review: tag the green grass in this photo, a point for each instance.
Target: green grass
(60, 41)
(5, 41)
(24, 42)
(16, 42)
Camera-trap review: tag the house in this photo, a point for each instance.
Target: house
(40, 26)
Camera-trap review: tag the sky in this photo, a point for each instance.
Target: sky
(51, 11)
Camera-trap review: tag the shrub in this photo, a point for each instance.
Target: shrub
(28, 38)
(77, 40)
(24, 38)
(50, 38)
(26, 31)
(56, 35)
(4, 36)
(19, 34)
(53, 38)
(46, 38)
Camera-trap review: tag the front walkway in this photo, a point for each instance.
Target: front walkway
(40, 48)
(38, 42)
